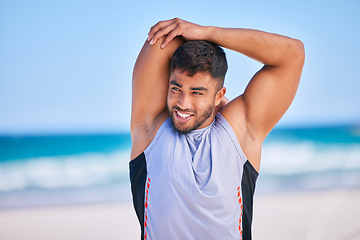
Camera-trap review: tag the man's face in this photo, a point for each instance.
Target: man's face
(191, 100)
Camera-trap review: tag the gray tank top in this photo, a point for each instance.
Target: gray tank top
(191, 186)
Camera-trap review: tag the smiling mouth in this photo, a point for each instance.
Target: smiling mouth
(183, 116)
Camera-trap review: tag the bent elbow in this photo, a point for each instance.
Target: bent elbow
(299, 52)
(292, 54)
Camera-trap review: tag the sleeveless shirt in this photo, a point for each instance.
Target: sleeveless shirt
(193, 186)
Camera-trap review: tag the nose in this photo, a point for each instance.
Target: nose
(184, 102)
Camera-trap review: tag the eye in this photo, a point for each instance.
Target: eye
(197, 93)
(175, 89)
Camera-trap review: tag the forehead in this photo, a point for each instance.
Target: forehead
(200, 79)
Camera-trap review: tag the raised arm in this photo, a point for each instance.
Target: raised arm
(272, 89)
(149, 91)
(270, 92)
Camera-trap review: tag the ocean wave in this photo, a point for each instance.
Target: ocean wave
(104, 169)
(74, 171)
(308, 157)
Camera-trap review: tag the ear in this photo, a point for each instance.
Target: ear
(219, 96)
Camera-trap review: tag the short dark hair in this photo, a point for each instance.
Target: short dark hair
(200, 56)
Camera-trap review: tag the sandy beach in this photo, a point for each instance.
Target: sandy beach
(330, 215)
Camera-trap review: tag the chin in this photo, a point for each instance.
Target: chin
(183, 128)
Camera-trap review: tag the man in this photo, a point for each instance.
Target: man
(196, 156)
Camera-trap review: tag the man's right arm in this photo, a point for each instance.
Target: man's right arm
(149, 92)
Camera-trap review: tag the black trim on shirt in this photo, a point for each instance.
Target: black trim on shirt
(247, 189)
(138, 174)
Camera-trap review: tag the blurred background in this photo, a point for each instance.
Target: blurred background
(65, 96)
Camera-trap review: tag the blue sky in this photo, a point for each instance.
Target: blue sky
(66, 66)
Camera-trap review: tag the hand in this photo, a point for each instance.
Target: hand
(176, 27)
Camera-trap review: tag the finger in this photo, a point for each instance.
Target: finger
(170, 37)
(163, 32)
(157, 27)
(154, 29)
(162, 24)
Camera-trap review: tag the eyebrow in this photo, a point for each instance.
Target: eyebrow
(173, 82)
(199, 89)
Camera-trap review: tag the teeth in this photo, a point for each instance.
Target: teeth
(183, 115)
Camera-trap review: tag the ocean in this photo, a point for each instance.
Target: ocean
(80, 169)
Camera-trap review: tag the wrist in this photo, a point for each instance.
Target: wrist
(208, 32)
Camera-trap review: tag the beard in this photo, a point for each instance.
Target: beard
(197, 121)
